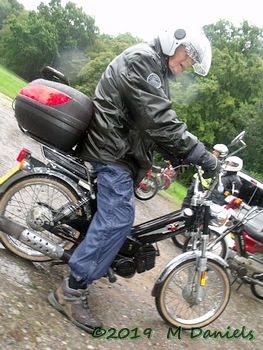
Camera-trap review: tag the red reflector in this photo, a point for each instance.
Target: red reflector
(44, 94)
(23, 154)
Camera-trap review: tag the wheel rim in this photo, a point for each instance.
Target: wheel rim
(32, 204)
(182, 310)
(147, 190)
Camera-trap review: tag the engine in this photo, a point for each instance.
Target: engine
(143, 260)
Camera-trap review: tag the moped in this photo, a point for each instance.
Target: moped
(46, 208)
(157, 179)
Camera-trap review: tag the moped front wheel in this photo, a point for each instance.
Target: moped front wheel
(177, 303)
(30, 202)
(147, 188)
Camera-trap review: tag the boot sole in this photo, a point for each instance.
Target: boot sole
(53, 301)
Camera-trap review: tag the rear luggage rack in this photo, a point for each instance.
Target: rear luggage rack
(66, 161)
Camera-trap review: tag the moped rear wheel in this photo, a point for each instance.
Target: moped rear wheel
(177, 304)
(29, 202)
(147, 188)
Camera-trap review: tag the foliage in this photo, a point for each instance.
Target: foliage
(253, 155)
(215, 108)
(245, 39)
(104, 50)
(218, 107)
(74, 28)
(40, 46)
(8, 7)
(32, 39)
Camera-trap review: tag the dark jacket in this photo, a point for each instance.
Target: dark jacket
(232, 183)
(133, 113)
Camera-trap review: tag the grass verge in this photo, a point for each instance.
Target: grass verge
(10, 83)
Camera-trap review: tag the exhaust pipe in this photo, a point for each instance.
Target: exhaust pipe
(32, 239)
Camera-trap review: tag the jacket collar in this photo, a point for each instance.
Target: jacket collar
(156, 46)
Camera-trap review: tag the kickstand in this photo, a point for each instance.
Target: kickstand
(234, 281)
(239, 284)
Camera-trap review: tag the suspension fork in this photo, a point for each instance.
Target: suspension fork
(201, 265)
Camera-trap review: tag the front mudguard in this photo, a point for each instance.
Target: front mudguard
(17, 176)
(178, 260)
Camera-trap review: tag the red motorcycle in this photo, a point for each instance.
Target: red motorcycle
(246, 261)
(252, 228)
(253, 236)
(157, 179)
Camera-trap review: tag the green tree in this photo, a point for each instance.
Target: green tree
(31, 44)
(8, 7)
(254, 150)
(245, 39)
(52, 35)
(217, 107)
(74, 28)
(105, 49)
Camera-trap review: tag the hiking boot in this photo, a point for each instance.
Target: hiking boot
(73, 303)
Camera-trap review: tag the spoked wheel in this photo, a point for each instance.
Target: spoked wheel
(33, 202)
(177, 303)
(147, 188)
(220, 248)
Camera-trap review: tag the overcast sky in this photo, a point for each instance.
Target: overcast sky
(146, 18)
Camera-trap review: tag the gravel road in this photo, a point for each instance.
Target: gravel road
(28, 322)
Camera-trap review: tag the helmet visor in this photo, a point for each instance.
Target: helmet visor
(199, 49)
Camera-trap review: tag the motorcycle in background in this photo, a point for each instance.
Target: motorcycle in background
(157, 179)
(240, 242)
(245, 260)
(221, 220)
(184, 240)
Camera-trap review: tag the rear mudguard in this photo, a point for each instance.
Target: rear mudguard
(178, 260)
(17, 176)
(9, 174)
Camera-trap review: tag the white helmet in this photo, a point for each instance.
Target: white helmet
(221, 149)
(234, 164)
(196, 43)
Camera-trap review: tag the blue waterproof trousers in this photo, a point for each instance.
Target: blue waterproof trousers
(109, 227)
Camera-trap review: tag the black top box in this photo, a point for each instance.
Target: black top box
(53, 113)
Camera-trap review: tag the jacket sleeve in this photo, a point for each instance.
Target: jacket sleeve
(144, 90)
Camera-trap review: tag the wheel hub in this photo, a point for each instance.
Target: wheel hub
(38, 216)
(190, 296)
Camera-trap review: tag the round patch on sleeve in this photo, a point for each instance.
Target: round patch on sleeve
(154, 80)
